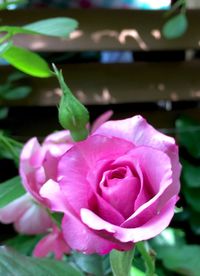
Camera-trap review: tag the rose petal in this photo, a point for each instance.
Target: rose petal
(152, 228)
(139, 132)
(95, 148)
(56, 198)
(52, 243)
(120, 193)
(146, 231)
(85, 240)
(28, 151)
(12, 212)
(75, 164)
(30, 168)
(35, 220)
(58, 143)
(58, 137)
(76, 234)
(156, 168)
(105, 210)
(101, 119)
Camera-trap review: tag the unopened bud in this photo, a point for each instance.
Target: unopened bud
(72, 114)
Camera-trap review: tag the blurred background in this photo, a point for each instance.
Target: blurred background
(129, 56)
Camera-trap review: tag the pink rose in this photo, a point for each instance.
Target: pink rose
(27, 215)
(116, 188)
(52, 243)
(38, 163)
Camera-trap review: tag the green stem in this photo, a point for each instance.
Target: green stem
(121, 262)
(10, 148)
(5, 37)
(149, 262)
(14, 142)
(175, 7)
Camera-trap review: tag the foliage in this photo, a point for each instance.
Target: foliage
(6, 3)
(171, 249)
(25, 60)
(11, 91)
(175, 254)
(188, 135)
(9, 148)
(10, 260)
(177, 23)
(10, 190)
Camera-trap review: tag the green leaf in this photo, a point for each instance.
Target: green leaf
(181, 259)
(175, 27)
(136, 272)
(3, 112)
(89, 263)
(121, 262)
(6, 4)
(192, 196)
(15, 76)
(189, 135)
(16, 93)
(10, 190)
(58, 27)
(175, 254)
(12, 263)
(24, 244)
(190, 174)
(5, 47)
(27, 61)
(9, 148)
(169, 237)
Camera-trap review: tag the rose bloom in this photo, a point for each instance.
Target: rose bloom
(39, 163)
(27, 216)
(116, 188)
(52, 243)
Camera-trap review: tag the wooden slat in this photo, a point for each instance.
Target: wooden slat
(24, 123)
(118, 83)
(106, 29)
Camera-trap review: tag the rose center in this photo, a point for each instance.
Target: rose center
(120, 187)
(113, 176)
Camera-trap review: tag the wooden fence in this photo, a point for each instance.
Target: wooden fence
(160, 89)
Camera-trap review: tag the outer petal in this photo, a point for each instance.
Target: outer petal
(15, 209)
(31, 171)
(137, 131)
(31, 155)
(101, 119)
(52, 243)
(58, 143)
(146, 231)
(90, 151)
(52, 192)
(59, 137)
(153, 227)
(35, 220)
(77, 235)
(40, 163)
(83, 239)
